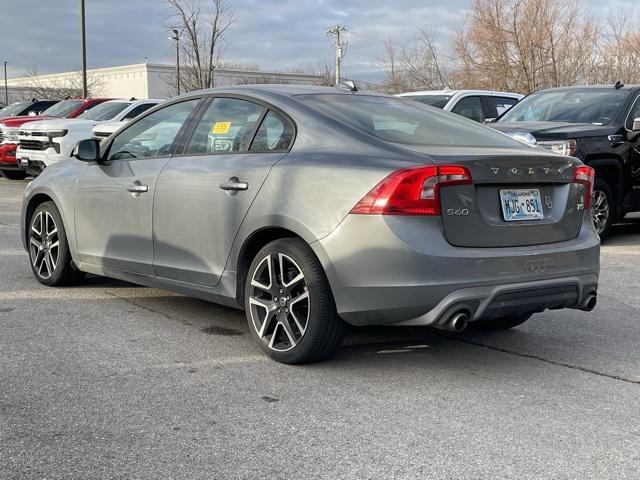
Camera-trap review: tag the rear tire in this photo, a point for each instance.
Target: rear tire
(501, 323)
(603, 205)
(49, 254)
(289, 305)
(14, 175)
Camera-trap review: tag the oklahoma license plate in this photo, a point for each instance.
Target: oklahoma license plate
(521, 204)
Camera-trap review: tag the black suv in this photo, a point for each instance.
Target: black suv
(595, 124)
(26, 107)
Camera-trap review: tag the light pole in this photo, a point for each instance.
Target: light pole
(84, 50)
(6, 89)
(176, 37)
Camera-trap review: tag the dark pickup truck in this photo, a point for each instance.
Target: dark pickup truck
(596, 124)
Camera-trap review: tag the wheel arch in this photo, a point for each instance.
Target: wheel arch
(610, 170)
(31, 205)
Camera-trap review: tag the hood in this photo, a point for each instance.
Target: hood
(58, 124)
(13, 122)
(554, 130)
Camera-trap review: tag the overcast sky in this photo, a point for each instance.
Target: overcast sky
(275, 34)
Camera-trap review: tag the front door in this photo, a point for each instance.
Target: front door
(114, 198)
(203, 195)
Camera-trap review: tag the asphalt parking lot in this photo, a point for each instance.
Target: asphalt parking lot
(111, 380)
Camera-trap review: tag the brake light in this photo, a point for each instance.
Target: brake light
(412, 191)
(584, 175)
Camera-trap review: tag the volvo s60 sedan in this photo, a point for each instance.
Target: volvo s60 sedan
(310, 207)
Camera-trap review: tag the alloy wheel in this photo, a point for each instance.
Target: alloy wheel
(601, 210)
(44, 244)
(279, 302)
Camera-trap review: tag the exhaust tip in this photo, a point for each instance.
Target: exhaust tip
(590, 303)
(459, 321)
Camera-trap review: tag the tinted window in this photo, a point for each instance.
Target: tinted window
(14, 109)
(502, 104)
(597, 106)
(274, 134)
(153, 135)
(470, 107)
(398, 121)
(438, 101)
(63, 108)
(633, 114)
(135, 111)
(226, 127)
(104, 111)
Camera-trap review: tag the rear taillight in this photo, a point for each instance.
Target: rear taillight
(412, 191)
(584, 175)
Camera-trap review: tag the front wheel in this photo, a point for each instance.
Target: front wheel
(603, 205)
(289, 305)
(49, 254)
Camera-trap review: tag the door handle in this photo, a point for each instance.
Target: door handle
(234, 185)
(136, 188)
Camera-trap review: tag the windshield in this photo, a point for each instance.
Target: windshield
(104, 111)
(598, 107)
(398, 121)
(62, 109)
(438, 101)
(14, 109)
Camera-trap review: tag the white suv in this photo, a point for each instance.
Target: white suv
(48, 141)
(479, 105)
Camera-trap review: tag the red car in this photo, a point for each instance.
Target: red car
(69, 108)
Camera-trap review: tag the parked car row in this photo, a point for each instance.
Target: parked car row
(29, 143)
(313, 207)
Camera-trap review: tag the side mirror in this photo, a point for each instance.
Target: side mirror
(636, 125)
(87, 151)
(32, 114)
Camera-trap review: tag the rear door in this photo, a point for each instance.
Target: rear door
(515, 200)
(204, 193)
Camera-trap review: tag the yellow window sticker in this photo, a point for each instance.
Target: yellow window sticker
(221, 128)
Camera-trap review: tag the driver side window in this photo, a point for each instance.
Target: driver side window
(153, 135)
(635, 113)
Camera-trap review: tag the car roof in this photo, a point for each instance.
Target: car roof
(447, 91)
(280, 90)
(590, 87)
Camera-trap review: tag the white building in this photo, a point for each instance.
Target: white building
(146, 80)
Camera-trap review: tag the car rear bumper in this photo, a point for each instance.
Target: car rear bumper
(401, 270)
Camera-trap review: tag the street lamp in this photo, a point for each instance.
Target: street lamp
(176, 37)
(6, 89)
(84, 51)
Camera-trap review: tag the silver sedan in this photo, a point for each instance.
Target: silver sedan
(310, 207)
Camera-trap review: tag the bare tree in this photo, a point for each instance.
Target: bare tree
(56, 87)
(524, 45)
(202, 25)
(420, 66)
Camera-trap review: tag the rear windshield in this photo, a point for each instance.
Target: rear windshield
(104, 111)
(63, 108)
(599, 107)
(438, 101)
(13, 109)
(398, 121)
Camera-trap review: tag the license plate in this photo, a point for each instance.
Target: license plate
(24, 161)
(524, 204)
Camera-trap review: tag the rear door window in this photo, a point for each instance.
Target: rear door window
(501, 104)
(227, 126)
(471, 108)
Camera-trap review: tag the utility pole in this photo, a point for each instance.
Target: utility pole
(341, 48)
(176, 37)
(85, 93)
(6, 89)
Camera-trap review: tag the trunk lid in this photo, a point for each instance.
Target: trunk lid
(473, 216)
